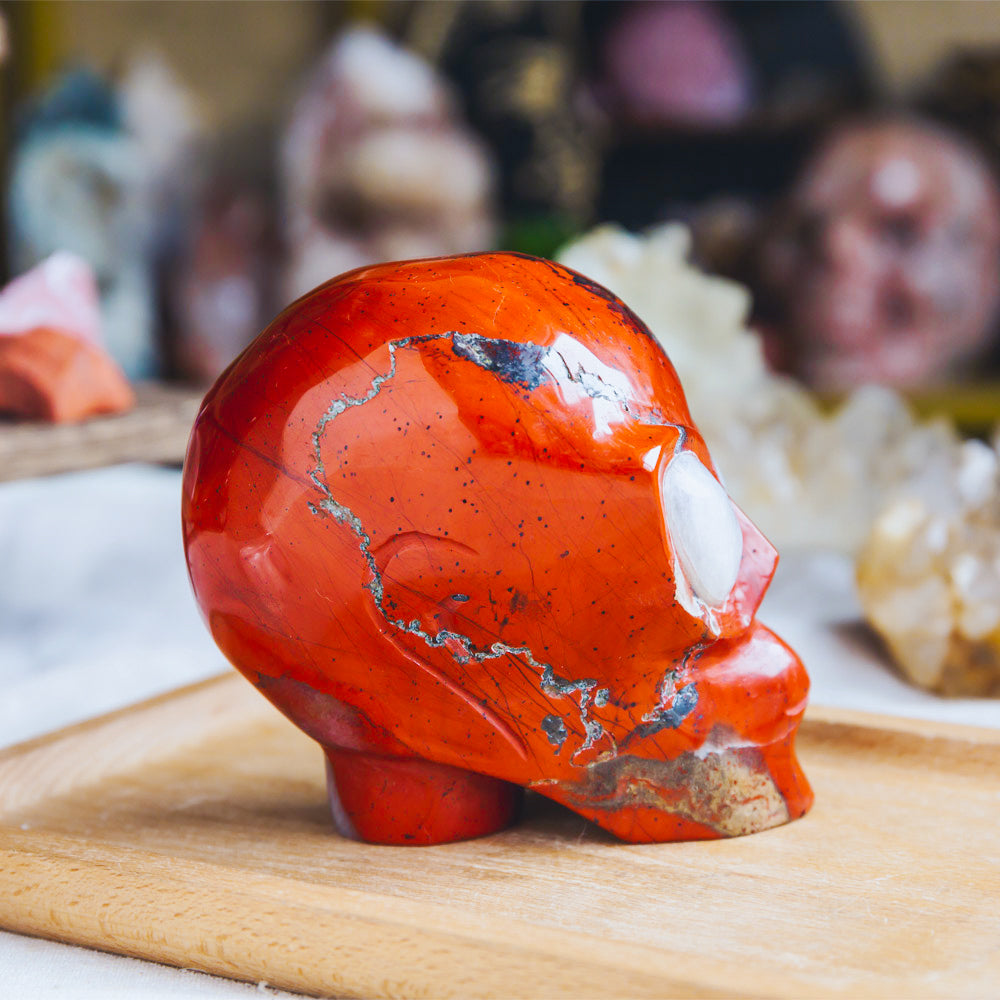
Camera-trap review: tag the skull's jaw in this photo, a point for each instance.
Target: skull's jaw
(724, 792)
(728, 767)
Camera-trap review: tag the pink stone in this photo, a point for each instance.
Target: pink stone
(60, 294)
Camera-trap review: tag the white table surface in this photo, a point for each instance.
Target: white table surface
(96, 613)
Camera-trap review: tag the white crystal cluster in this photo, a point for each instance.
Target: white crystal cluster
(918, 507)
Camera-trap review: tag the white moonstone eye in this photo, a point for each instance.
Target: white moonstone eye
(703, 529)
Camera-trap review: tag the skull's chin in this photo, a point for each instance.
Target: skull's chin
(740, 778)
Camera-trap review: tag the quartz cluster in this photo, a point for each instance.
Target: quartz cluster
(915, 505)
(929, 578)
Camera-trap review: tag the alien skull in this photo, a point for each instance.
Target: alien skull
(452, 517)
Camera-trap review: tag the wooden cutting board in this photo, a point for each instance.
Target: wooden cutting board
(192, 830)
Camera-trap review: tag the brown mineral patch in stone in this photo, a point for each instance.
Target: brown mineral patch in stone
(729, 790)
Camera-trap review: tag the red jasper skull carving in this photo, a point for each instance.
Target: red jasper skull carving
(452, 517)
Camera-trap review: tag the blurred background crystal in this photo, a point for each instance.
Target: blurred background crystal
(77, 184)
(213, 161)
(377, 165)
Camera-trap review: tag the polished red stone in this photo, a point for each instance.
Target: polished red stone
(424, 515)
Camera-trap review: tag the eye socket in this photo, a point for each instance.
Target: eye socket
(704, 533)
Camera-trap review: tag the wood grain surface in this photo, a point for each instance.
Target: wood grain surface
(155, 431)
(192, 830)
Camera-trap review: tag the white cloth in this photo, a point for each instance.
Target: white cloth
(95, 606)
(96, 613)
